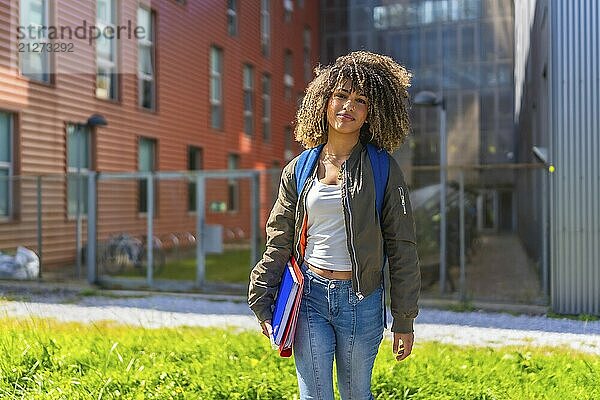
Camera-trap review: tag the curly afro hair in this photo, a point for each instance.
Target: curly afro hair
(382, 80)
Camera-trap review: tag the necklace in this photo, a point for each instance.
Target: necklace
(340, 175)
(340, 166)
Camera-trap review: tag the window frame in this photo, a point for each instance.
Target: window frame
(10, 167)
(143, 77)
(141, 181)
(248, 98)
(109, 65)
(267, 83)
(199, 152)
(47, 61)
(233, 185)
(216, 104)
(288, 74)
(78, 172)
(265, 27)
(232, 18)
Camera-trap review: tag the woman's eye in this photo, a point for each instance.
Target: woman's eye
(362, 101)
(340, 95)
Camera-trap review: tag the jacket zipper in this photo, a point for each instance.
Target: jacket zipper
(402, 198)
(353, 255)
(301, 196)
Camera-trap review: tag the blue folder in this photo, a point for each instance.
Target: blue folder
(284, 302)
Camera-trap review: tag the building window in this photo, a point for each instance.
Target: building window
(232, 17)
(266, 100)
(34, 16)
(306, 51)
(265, 26)
(248, 99)
(216, 88)
(195, 162)
(106, 51)
(288, 153)
(6, 164)
(288, 78)
(146, 60)
(288, 9)
(233, 189)
(146, 163)
(79, 162)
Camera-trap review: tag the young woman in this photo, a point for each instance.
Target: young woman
(362, 98)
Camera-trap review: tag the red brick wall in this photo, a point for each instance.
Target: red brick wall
(182, 118)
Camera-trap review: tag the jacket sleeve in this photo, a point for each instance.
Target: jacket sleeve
(266, 275)
(398, 228)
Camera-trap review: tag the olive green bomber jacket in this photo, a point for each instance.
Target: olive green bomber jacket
(366, 238)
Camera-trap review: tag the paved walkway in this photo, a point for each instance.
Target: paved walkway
(461, 328)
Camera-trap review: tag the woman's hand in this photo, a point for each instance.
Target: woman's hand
(267, 329)
(403, 343)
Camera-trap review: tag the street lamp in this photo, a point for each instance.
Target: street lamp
(541, 154)
(429, 99)
(93, 121)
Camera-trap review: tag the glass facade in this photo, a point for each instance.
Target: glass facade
(460, 48)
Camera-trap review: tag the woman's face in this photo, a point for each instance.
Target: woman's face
(346, 110)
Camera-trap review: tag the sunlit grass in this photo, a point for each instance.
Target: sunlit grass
(42, 359)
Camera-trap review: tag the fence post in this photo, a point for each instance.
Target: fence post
(461, 222)
(255, 209)
(149, 228)
(91, 229)
(200, 220)
(39, 223)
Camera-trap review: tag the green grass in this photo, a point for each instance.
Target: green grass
(231, 266)
(41, 359)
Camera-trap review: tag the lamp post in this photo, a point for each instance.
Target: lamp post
(429, 99)
(541, 154)
(93, 121)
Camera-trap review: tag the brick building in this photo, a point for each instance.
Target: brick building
(211, 84)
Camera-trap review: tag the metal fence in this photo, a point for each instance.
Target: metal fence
(496, 233)
(207, 229)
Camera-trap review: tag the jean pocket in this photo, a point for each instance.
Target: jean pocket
(307, 281)
(352, 297)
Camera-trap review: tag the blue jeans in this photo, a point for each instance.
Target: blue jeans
(334, 322)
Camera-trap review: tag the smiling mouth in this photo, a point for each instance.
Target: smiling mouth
(346, 117)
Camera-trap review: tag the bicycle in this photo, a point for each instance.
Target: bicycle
(124, 252)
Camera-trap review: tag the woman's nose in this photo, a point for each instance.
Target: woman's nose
(349, 104)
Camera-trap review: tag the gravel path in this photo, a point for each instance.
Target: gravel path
(462, 328)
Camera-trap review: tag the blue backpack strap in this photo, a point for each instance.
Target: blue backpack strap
(380, 163)
(304, 166)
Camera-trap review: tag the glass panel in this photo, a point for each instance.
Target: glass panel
(248, 84)
(72, 182)
(248, 101)
(468, 43)
(5, 133)
(216, 116)
(215, 89)
(33, 12)
(147, 95)
(215, 60)
(145, 21)
(146, 155)
(4, 200)
(106, 12)
(104, 47)
(145, 60)
(104, 80)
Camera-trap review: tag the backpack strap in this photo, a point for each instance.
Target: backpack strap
(380, 163)
(306, 162)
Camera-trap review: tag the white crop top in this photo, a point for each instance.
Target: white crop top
(326, 245)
